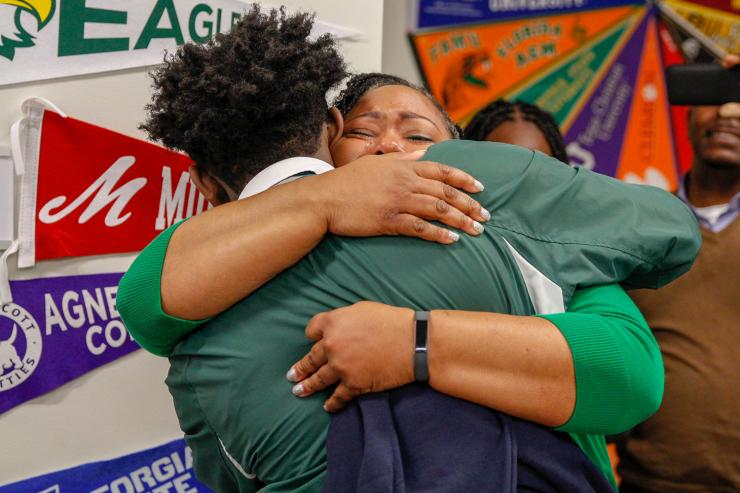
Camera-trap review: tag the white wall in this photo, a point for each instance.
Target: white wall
(398, 57)
(124, 406)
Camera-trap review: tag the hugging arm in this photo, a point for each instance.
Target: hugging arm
(595, 369)
(199, 268)
(641, 236)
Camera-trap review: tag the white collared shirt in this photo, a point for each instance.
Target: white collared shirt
(283, 172)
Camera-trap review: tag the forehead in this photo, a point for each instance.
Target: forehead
(394, 98)
(522, 133)
(517, 128)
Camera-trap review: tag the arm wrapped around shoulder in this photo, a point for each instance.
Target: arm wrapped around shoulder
(581, 228)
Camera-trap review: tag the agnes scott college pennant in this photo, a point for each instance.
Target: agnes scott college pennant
(164, 469)
(57, 329)
(89, 191)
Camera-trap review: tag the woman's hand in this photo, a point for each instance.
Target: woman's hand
(519, 365)
(393, 194)
(366, 347)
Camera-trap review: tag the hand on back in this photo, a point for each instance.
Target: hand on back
(393, 194)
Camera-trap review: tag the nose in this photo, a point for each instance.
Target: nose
(388, 144)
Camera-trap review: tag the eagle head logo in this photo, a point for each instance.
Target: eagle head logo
(42, 10)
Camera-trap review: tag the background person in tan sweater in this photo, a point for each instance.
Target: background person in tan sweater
(692, 444)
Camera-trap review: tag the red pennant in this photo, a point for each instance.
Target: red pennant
(100, 192)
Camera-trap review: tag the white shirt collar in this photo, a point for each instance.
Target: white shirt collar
(281, 171)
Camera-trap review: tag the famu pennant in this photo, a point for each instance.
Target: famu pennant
(90, 191)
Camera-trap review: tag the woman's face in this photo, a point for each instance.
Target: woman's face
(520, 132)
(389, 119)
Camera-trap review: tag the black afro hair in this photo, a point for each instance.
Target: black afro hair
(247, 98)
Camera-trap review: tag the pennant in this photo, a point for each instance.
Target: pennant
(718, 20)
(166, 468)
(431, 13)
(467, 67)
(58, 329)
(679, 114)
(563, 90)
(647, 152)
(729, 6)
(595, 135)
(87, 190)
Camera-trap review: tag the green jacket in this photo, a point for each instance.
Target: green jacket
(546, 240)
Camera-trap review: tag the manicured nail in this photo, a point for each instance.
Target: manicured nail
(453, 236)
(297, 389)
(326, 408)
(479, 186)
(292, 375)
(486, 215)
(478, 227)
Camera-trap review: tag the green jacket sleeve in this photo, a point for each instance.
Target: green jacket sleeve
(618, 365)
(139, 301)
(579, 227)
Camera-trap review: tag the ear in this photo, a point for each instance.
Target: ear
(206, 185)
(335, 126)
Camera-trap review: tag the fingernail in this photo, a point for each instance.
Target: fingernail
(453, 236)
(478, 227)
(486, 215)
(292, 375)
(479, 186)
(326, 408)
(297, 389)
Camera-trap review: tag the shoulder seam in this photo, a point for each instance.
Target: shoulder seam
(547, 240)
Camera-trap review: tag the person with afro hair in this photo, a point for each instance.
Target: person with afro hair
(209, 99)
(245, 428)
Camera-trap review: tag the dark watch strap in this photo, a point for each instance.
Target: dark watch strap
(421, 364)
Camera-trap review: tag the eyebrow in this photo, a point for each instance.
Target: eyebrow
(405, 115)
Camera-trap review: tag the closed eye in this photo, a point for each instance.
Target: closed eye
(359, 132)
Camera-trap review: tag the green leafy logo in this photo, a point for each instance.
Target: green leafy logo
(42, 10)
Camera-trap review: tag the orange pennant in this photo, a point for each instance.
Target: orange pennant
(467, 67)
(647, 151)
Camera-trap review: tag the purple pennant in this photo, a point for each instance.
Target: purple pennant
(58, 329)
(595, 138)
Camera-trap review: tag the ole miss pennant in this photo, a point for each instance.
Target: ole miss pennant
(87, 190)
